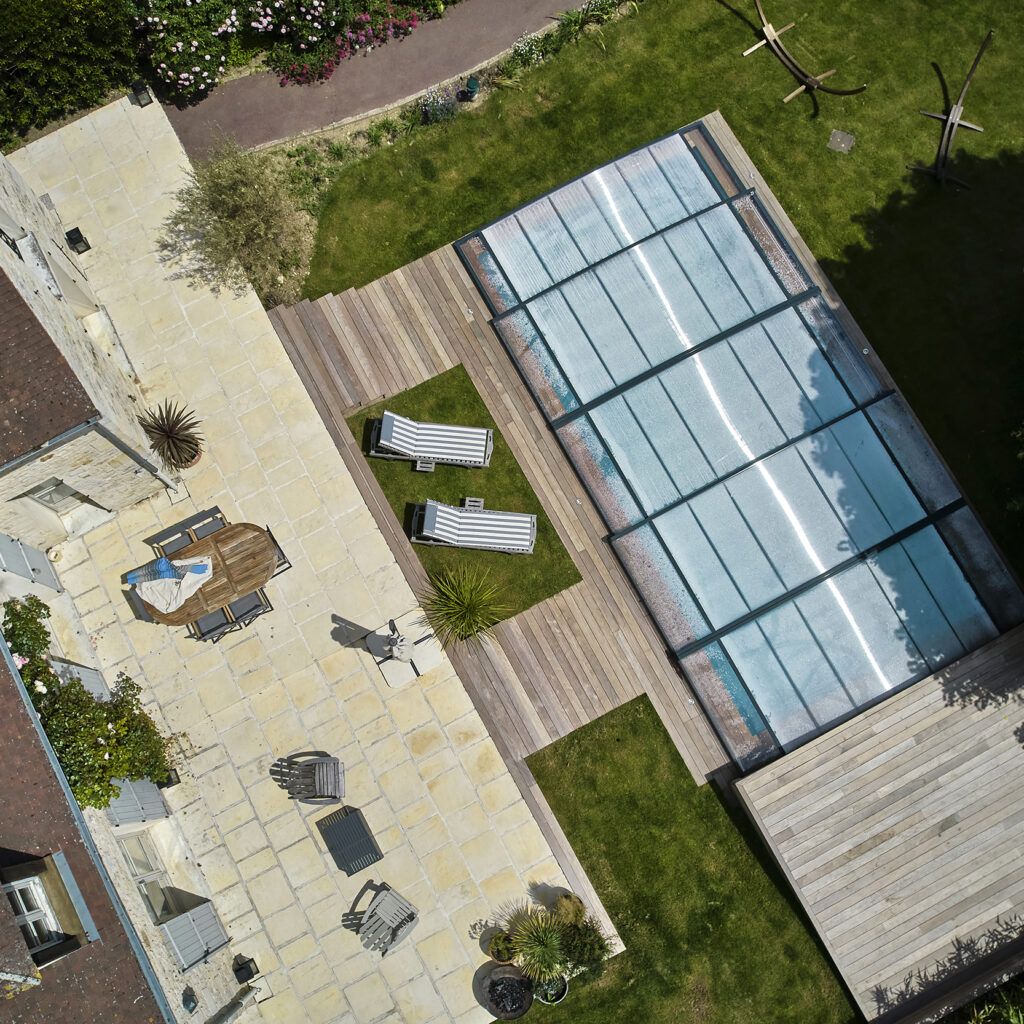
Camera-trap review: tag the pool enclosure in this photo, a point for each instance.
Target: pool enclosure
(791, 529)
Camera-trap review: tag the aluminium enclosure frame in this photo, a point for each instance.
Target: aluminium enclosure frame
(809, 270)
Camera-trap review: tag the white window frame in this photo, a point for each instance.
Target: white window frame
(28, 920)
(158, 876)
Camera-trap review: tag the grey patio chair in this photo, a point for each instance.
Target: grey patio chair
(247, 609)
(387, 921)
(312, 777)
(214, 626)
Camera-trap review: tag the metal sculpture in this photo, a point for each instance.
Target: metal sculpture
(952, 120)
(808, 82)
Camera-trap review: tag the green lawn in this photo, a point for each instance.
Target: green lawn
(933, 277)
(452, 398)
(711, 934)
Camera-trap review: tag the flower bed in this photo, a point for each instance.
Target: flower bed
(191, 43)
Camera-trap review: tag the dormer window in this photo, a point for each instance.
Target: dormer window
(33, 914)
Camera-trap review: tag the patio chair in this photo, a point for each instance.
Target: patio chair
(180, 535)
(473, 526)
(283, 563)
(388, 920)
(212, 525)
(213, 627)
(312, 777)
(245, 610)
(398, 437)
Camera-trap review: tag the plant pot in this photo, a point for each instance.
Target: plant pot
(495, 952)
(199, 455)
(553, 992)
(508, 993)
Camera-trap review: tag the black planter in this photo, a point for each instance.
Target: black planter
(507, 993)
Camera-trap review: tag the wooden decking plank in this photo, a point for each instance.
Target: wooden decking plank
(416, 325)
(350, 340)
(368, 339)
(319, 331)
(339, 348)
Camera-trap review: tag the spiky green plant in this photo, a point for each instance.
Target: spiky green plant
(173, 434)
(537, 941)
(462, 604)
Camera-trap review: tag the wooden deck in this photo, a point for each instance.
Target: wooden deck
(901, 832)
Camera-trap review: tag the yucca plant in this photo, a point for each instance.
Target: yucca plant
(537, 942)
(173, 434)
(462, 604)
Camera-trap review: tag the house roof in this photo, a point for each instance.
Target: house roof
(102, 982)
(901, 833)
(40, 395)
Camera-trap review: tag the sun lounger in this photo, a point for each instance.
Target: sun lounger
(473, 526)
(397, 437)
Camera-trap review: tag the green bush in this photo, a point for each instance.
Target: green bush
(96, 741)
(57, 56)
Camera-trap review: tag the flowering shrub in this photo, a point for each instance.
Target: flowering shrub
(188, 41)
(96, 741)
(438, 104)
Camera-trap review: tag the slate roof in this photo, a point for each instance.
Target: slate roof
(40, 396)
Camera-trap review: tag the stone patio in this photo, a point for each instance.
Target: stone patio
(458, 839)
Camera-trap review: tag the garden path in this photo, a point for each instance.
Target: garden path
(256, 109)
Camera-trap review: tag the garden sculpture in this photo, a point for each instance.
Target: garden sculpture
(808, 82)
(952, 120)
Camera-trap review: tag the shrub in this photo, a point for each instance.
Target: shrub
(462, 605)
(537, 942)
(585, 946)
(500, 947)
(56, 58)
(96, 741)
(384, 129)
(237, 222)
(438, 105)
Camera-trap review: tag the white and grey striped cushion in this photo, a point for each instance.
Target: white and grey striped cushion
(479, 528)
(434, 442)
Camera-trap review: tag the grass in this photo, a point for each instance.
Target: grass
(933, 276)
(710, 936)
(523, 580)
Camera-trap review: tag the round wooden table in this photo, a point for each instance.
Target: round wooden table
(244, 558)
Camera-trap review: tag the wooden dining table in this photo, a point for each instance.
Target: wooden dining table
(244, 558)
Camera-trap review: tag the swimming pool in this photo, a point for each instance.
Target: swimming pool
(792, 531)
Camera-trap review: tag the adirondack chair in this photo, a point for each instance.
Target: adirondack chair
(312, 777)
(387, 921)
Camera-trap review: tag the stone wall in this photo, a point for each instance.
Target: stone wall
(90, 464)
(102, 371)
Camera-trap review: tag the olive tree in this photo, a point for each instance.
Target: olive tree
(237, 222)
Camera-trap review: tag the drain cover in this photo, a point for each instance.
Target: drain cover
(841, 142)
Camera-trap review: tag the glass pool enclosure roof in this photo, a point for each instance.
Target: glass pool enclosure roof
(792, 531)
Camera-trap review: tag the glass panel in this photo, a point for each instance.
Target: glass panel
(595, 467)
(684, 173)
(722, 299)
(563, 333)
(740, 724)
(137, 854)
(989, 574)
(586, 223)
(551, 241)
(637, 459)
(920, 461)
(517, 258)
(157, 899)
(14, 899)
(618, 350)
(29, 896)
(36, 934)
(857, 375)
(661, 586)
(535, 363)
(742, 258)
(614, 199)
(491, 281)
(651, 187)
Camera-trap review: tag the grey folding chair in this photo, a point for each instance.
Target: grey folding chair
(311, 777)
(387, 921)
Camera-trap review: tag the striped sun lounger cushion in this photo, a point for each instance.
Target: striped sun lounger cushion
(479, 528)
(435, 442)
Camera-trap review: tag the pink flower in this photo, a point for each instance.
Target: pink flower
(20, 661)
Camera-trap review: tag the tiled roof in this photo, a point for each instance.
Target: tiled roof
(101, 983)
(40, 396)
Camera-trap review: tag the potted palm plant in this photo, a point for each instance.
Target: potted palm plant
(500, 947)
(537, 941)
(173, 433)
(462, 605)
